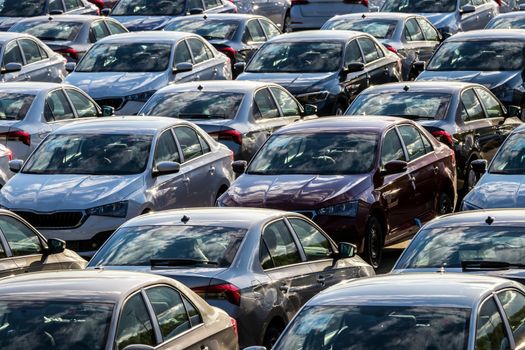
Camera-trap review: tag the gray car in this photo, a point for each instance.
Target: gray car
(239, 114)
(259, 265)
(87, 178)
(125, 70)
(107, 310)
(311, 14)
(413, 37)
(278, 11)
(512, 20)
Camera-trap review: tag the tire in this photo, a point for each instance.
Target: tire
(444, 205)
(287, 23)
(470, 179)
(272, 334)
(373, 242)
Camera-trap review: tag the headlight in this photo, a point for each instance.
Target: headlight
(313, 97)
(468, 206)
(343, 209)
(141, 97)
(117, 210)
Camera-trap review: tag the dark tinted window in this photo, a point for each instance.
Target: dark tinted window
(315, 245)
(490, 331)
(26, 8)
(209, 29)
(210, 4)
(255, 31)
(72, 4)
(511, 157)
(280, 244)
(269, 28)
(513, 303)
(99, 30)
(193, 313)
(182, 53)
(289, 106)
(54, 5)
(12, 54)
(150, 8)
(369, 50)
(14, 106)
(392, 148)
(200, 54)
(49, 30)
(166, 149)
(134, 326)
(413, 141)
(492, 105)
(58, 107)
(472, 106)
(84, 107)
(353, 53)
(116, 28)
(377, 27)
(264, 106)
(170, 311)
(412, 31)
(189, 142)
(21, 239)
(31, 51)
(429, 31)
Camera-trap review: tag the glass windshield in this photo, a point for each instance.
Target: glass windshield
(297, 57)
(49, 30)
(419, 6)
(194, 105)
(37, 325)
(90, 154)
(507, 23)
(511, 157)
(413, 105)
(146, 57)
(323, 153)
(499, 55)
(351, 327)
(379, 28)
(14, 106)
(25, 8)
(213, 246)
(148, 8)
(452, 245)
(209, 29)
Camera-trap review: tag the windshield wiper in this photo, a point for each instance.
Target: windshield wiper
(201, 115)
(180, 262)
(484, 265)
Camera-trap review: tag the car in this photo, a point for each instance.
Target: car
(87, 178)
(312, 14)
(500, 183)
(450, 16)
(108, 310)
(364, 180)
(415, 311)
(511, 20)
(143, 15)
(234, 262)
(69, 35)
(12, 11)
(324, 68)
(466, 117)
(124, 70)
(6, 155)
(413, 37)
(278, 11)
(489, 57)
(508, 5)
(239, 114)
(237, 36)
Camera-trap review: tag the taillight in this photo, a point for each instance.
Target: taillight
(9, 154)
(68, 52)
(224, 291)
(234, 324)
(228, 51)
(445, 137)
(228, 135)
(390, 48)
(232, 156)
(19, 135)
(299, 2)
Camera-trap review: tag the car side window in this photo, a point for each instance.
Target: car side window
(134, 326)
(431, 34)
(21, 239)
(55, 5)
(189, 142)
(2, 251)
(210, 4)
(490, 331)
(473, 109)
(369, 50)
(280, 246)
(269, 28)
(84, 107)
(99, 30)
(413, 141)
(71, 4)
(513, 303)
(289, 107)
(353, 53)
(199, 51)
(166, 150)
(195, 4)
(412, 31)
(170, 311)
(115, 28)
(182, 53)
(193, 313)
(492, 105)
(57, 107)
(255, 31)
(264, 105)
(315, 245)
(12, 54)
(204, 145)
(30, 50)
(392, 148)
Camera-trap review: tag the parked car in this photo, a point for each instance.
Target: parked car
(500, 183)
(508, 5)
(451, 16)
(416, 311)
(69, 35)
(140, 15)
(412, 37)
(312, 14)
(13, 11)
(125, 70)
(87, 178)
(108, 310)
(101, 4)
(237, 36)
(238, 114)
(234, 263)
(511, 20)
(465, 116)
(6, 155)
(324, 68)
(364, 180)
(278, 11)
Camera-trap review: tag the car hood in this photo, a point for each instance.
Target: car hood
(440, 19)
(498, 191)
(59, 192)
(140, 23)
(100, 85)
(294, 192)
(296, 83)
(490, 79)
(7, 22)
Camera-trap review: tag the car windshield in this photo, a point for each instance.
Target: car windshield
(413, 105)
(297, 57)
(479, 55)
(91, 154)
(194, 105)
(136, 57)
(14, 106)
(164, 245)
(507, 23)
(419, 6)
(329, 153)
(149, 8)
(36, 325)
(25, 8)
(379, 28)
(209, 29)
(511, 157)
(449, 246)
(348, 327)
(49, 30)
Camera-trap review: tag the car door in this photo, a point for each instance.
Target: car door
(491, 332)
(182, 54)
(12, 54)
(376, 64)
(513, 303)
(205, 67)
(36, 61)
(254, 36)
(414, 43)
(354, 82)
(135, 326)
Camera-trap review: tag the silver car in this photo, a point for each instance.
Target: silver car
(259, 265)
(276, 10)
(125, 70)
(312, 14)
(87, 178)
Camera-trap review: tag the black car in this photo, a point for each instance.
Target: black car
(466, 117)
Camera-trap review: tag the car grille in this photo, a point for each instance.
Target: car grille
(310, 214)
(64, 219)
(113, 102)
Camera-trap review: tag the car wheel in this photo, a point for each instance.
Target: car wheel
(373, 242)
(470, 179)
(287, 23)
(445, 205)
(272, 334)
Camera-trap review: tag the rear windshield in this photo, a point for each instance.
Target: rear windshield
(379, 28)
(149, 8)
(50, 30)
(419, 6)
(507, 23)
(22, 8)
(14, 106)
(209, 29)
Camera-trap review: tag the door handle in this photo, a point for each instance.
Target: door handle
(212, 170)
(284, 288)
(436, 170)
(204, 347)
(186, 180)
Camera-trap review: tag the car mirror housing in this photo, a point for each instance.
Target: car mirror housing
(346, 250)
(394, 167)
(355, 67)
(56, 12)
(105, 12)
(419, 66)
(309, 110)
(11, 67)
(467, 9)
(513, 112)
(55, 246)
(108, 111)
(70, 66)
(183, 67)
(15, 165)
(196, 11)
(239, 166)
(479, 166)
(166, 168)
(239, 67)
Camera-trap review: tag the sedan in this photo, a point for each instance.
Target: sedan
(364, 180)
(87, 178)
(511, 20)
(465, 116)
(125, 70)
(70, 36)
(239, 114)
(261, 270)
(412, 37)
(99, 310)
(324, 68)
(311, 14)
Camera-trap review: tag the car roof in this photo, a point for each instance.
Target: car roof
(64, 18)
(382, 15)
(7, 36)
(319, 35)
(476, 218)
(414, 289)
(139, 125)
(152, 36)
(331, 124)
(489, 34)
(31, 88)
(218, 85)
(419, 86)
(235, 16)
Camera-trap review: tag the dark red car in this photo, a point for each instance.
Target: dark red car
(366, 180)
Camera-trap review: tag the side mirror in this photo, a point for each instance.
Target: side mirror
(239, 166)
(373, 9)
(105, 12)
(108, 111)
(70, 66)
(182, 67)
(522, 7)
(355, 67)
(479, 166)
(419, 66)
(56, 12)
(11, 67)
(346, 250)
(166, 168)
(15, 165)
(467, 9)
(139, 347)
(394, 167)
(513, 111)
(239, 67)
(55, 246)
(196, 11)
(309, 110)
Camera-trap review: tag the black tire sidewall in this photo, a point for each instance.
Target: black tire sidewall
(373, 221)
